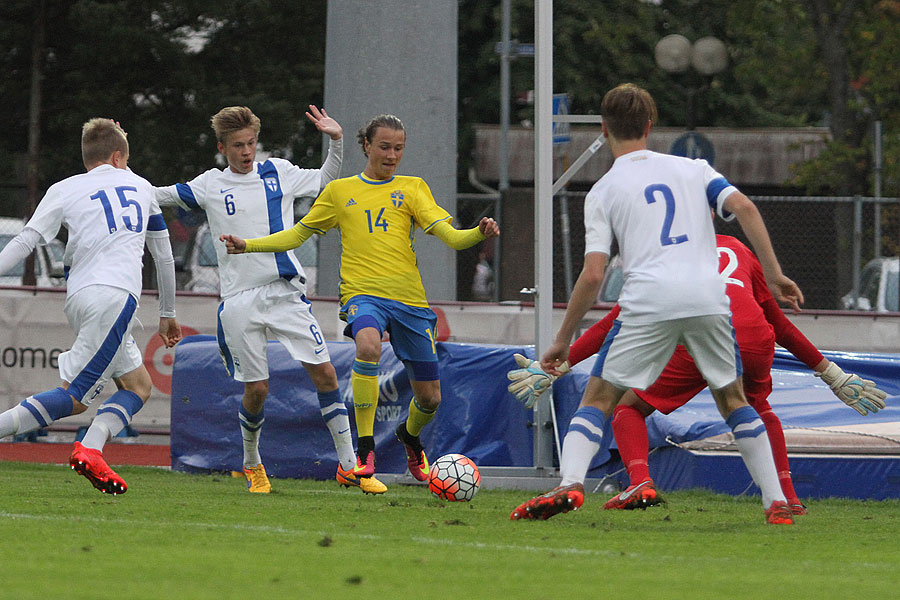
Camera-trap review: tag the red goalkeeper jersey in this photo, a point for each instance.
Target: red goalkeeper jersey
(758, 320)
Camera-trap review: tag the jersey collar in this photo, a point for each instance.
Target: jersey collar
(374, 181)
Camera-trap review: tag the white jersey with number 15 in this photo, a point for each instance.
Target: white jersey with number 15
(107, 212)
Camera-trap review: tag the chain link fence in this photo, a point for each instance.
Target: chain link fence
(841, 251)
(828, 245)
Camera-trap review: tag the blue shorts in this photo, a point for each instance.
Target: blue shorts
(411, 329)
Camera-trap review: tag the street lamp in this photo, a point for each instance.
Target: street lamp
(675, 54)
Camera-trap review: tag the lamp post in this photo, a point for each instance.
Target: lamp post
(676, 54)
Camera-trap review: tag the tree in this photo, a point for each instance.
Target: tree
(162, 69)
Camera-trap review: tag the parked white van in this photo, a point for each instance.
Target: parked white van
(878, 287)
(48, 263)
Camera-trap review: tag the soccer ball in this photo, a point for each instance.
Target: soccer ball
(454, 477)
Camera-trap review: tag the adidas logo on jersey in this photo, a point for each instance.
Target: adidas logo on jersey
(352, 202)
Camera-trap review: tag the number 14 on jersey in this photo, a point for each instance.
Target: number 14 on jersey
(379, 220)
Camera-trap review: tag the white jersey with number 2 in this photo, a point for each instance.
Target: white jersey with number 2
(657, 207)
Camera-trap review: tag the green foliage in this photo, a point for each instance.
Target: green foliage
(192, 536)
(839, 168)
(163, 68)
(134, 60)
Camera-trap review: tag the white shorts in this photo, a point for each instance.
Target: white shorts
(634, 354)
(278, 307)
(102, 317)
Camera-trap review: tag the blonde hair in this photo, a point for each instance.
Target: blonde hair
(100, 138)
(626, 109)
(233, 118)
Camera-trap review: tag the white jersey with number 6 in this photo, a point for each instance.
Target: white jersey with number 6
(249, 205)
(657, 207)
(107, 212)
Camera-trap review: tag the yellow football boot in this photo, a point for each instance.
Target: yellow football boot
(257, 480)
(368, 485)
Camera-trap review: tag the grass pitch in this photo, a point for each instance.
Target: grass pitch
(204, 536)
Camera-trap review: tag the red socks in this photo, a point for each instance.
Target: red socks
(630, 428)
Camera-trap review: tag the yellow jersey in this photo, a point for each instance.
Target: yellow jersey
(377, 221)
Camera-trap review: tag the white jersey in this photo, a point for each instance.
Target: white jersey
(107, 212)
(249, 205)
(657, 207)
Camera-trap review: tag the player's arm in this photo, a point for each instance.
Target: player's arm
(18, 249)
(862, 395)
(460, 239)
(43, 226)
(320, 218)
(583, 297)
(161, 250)
(281, 241)
(183, 195)
(589, 342)
(530, 381)
(751, 222)
(788, 336)
(331, 168)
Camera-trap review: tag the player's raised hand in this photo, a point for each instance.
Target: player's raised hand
(233, 243)
(324, 123)
(786, 292)
(862, 395)
(169, 331)
(488, 227)
(529, 382)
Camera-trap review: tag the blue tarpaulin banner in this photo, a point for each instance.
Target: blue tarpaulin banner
(478, 417)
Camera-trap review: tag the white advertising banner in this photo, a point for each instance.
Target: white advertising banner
(35, 332)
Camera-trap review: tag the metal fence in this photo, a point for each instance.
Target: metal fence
(823, 243)
(828, 245)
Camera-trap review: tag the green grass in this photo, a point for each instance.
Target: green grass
(204, 536)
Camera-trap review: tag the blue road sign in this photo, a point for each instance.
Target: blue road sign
(561, 131)
(694, 145)
(515, 48)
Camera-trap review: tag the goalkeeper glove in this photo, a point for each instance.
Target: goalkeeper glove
(859, 394)
(530, 381)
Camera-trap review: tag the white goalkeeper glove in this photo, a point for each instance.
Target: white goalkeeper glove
(859, 394)
(530, 381)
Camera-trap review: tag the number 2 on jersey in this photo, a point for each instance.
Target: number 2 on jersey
(125, 201)
(379, 220)
(665, 236)
(730, 267)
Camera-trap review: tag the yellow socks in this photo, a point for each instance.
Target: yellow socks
(364, 381)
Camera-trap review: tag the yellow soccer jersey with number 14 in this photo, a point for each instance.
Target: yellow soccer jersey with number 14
(377, 221)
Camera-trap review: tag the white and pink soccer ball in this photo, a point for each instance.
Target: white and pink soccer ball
(454, 477)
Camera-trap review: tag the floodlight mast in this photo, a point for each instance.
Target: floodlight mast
(675, 54)
(543, 217)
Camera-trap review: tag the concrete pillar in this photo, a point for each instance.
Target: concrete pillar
(397, 57)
